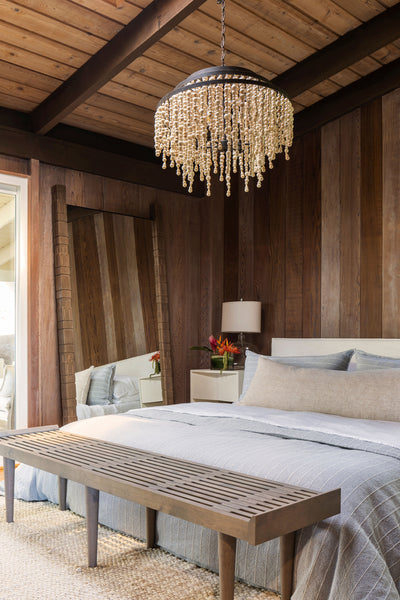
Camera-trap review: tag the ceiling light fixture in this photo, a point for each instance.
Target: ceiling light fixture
(222, 120)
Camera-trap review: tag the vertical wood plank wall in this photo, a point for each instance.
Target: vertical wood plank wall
(318, 244)
(114, 298)
(325, 254)
(182, 231)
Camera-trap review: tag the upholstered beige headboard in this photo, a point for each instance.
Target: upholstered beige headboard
(318, 346)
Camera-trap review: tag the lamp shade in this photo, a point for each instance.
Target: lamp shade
(241, 316)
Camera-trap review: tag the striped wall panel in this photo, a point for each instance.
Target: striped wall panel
(326, 232)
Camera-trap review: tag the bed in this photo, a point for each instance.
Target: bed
(353, 556)
(111, 388)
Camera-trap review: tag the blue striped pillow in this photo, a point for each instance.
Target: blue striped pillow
(363, 361)
(337, 362)
(101, 385)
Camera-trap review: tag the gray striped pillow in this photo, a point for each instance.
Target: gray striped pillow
(363, 361)
(101, 385)
(337, 362)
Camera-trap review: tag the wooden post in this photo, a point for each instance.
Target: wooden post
(226, 554)
(65, 328)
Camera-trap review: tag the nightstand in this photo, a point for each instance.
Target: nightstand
(208, 385)
(150, 391)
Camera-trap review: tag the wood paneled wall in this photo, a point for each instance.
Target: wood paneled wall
(185, 232)
(319, 243)
(113, 287)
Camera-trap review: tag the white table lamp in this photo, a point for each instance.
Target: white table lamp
(241, 317)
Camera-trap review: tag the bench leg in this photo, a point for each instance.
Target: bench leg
(92, 518)
(9, 476)
(62, 493)
(150, 527)
(287, 563)
(227, 554)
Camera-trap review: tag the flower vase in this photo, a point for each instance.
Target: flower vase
(218, 363)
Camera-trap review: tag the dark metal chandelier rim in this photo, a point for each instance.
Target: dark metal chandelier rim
(221, 70)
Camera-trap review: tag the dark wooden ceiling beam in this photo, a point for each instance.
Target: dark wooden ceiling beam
(344, 52)
(364, 90)
(148, 27)
(71, 155)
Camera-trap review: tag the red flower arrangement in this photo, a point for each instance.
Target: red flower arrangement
(222, 347)
(155, 360)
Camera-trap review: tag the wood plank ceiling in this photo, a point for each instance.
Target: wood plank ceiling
(43, 43)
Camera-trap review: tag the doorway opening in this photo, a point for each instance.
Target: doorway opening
(13, 302)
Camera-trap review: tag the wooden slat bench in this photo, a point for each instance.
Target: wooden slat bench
(235, 505)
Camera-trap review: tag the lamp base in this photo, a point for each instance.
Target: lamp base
(242, 344)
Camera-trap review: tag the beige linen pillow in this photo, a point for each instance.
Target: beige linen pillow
(357, 394)
(82, 384)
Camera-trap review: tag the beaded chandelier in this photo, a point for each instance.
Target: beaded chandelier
(222, 120)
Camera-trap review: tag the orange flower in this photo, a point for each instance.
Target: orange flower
(156, 356)
(227, 346)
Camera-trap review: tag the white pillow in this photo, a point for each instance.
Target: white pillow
(357, 394)
(125, 386)
(82, 384)
(338, 361)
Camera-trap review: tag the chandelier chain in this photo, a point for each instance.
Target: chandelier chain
(222, 3)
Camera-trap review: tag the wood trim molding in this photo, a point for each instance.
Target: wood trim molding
(65, 326)
(164, 339)
(364, 90)
(143, 31)
(344, 52)
(34, 400)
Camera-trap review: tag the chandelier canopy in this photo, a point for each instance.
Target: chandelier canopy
(222, 120)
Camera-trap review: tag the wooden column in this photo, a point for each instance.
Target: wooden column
(65, 332)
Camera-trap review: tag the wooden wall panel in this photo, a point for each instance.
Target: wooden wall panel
(89, 310)
(185, 232)
(391, 215)
(349, 172)
(212, 271)
(231, 244)
(329, 252)
(181, 223)
(330, 230)
(146, 276)
(266, 244)
(246, 240)
(108, 305)
(371, 220)
(14, 166)
(294, 242)
(311, 320)
(269, 253)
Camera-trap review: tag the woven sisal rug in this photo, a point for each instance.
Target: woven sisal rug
(43, 557)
